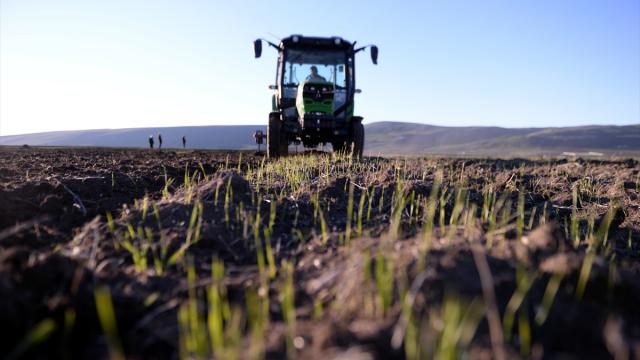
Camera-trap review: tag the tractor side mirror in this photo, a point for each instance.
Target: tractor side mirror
(257, 48)
(273, 87)
(358, 91)
(374, 54)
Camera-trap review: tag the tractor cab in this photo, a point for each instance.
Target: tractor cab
(313, 100)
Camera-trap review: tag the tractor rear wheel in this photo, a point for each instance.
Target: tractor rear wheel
(357, 139)
(274, 147)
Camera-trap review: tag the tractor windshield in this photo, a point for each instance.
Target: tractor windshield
(315, 65)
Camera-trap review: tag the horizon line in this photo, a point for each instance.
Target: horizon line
(371, 123)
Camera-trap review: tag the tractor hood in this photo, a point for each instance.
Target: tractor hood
(315, 97)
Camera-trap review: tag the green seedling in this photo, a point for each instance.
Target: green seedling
(381, 200)
(317, 309)
(112, 229)
(411, 201)
(195, 223)
(212, 334)
(107, 317)
(532, 217)
(260, 255)
(456, 325)
(204, 174)
(444, 198)
(138, 252)
(585, 272)
(370, 198)
(602, 235)
(399, 201)
(524, 282)
(258, 319)
(543, 218)
(369, 294)
(524, 330)
(192, 328)
(458, 207)
(429, 213)
(470, 220)
(219, 310)
(488, 199)
(192, 237)
(384, 283)
(267, 240)
(145, 206)
(39, 333)
(228, 196)
(167, 184)
(323, 229)
(520, 215)
(287, 301)
(363, 195)
(575, 231)
(69, 323)
(547, 299)
(349, 214)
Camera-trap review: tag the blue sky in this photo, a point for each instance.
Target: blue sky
(113, 64)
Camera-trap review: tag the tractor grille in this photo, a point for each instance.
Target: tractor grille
(318, 92)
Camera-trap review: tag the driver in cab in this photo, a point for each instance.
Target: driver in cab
(314, 76)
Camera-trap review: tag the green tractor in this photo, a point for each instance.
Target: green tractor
(314, 94)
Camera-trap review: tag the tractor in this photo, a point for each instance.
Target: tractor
(314, 94)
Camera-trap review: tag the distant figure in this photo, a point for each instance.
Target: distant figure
(184, 142)
(258, 136)
(159, 141)
(150, 141)
(314, 76)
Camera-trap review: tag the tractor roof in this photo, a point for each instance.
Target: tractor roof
(299, 41)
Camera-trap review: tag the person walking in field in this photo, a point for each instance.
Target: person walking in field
(184, 142)
(150, 141)
(159, 141)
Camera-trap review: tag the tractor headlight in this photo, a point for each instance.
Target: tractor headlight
(337, 40)
(295, 38)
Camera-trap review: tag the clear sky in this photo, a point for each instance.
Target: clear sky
(133, 63)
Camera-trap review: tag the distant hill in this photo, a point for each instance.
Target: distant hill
(410, 138)
(386, 138)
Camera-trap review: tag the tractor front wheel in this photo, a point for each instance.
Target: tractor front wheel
(273, 136)
(284, 144)
(357, 139)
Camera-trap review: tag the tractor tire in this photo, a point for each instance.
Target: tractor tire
(273, 136)
(357, 139)
(284, 144)
(338, 146)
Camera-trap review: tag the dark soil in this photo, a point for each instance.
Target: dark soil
(57, 247)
